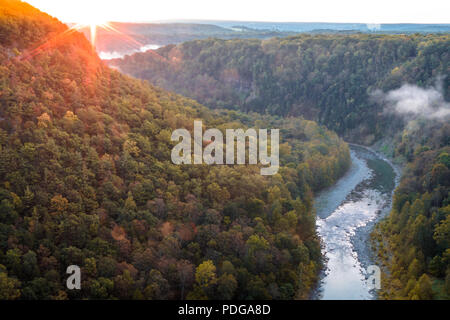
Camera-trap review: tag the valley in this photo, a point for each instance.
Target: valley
(87, 176)
(390, 91)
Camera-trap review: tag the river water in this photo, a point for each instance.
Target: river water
(346, 214)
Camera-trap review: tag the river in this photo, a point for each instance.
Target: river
(346, 214)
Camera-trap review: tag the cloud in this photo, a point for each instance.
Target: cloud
(412, 102)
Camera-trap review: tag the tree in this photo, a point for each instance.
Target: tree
(226, 286)
(442, 233)
(227, 267)
(415, 269)
(90, 266)
(101, 288)
(157, 286)
(123, 285)
(30, 267)
(205, 281)
(59, 204)
(205, 274)
(9, 287)
(186, 275)
(423, 288)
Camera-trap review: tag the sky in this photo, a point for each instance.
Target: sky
(379, 11)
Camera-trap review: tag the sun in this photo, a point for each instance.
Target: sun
(92, 20)
(95, 19)
(93, 26)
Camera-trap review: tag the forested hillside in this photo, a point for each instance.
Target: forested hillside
(86, 179)
(328, 78)
(414, 241)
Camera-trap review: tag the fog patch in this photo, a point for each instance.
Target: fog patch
(109, 55)
(412, 102)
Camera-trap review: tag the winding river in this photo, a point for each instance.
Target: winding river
(346, 214)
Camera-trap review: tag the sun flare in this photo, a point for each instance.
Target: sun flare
(92, 19)
(93, 26)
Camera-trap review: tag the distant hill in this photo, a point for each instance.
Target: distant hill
(299, 27)
(126, 38)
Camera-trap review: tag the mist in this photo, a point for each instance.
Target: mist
(412, 102)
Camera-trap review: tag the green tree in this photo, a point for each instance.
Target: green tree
(423, 288)
(226, 286)
(9, 287)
